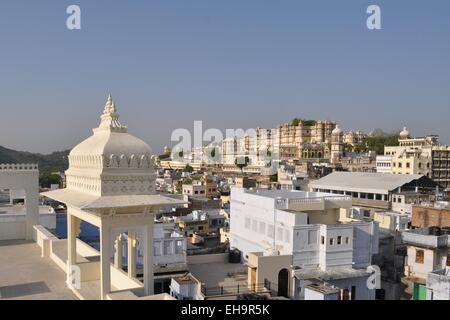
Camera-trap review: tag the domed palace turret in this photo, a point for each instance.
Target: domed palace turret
(111, 161)
(337, 146)
(404, 134)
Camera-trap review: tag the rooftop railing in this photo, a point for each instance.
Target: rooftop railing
(316, 201)
(18, 167)
(234, 290)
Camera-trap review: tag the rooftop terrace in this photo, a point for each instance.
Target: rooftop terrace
(24, 274)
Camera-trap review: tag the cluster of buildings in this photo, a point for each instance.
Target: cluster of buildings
(321, 224)
(305, 140)
(424, 156)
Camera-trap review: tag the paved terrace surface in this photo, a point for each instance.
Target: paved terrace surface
(220, 274)
(25, 275)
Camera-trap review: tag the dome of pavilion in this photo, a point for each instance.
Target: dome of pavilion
(111, 161)
(112, 142)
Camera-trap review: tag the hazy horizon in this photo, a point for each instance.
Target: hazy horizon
(231, 64)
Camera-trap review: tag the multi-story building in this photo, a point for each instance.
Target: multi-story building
(377, 191)
(307, 140)
(384, 164)
(427, 251)
(440, 166)
(354, 137)
(417, 156)
(438, 284)
(293, 238)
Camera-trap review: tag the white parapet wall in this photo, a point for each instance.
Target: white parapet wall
(56, 249)
(21, 177)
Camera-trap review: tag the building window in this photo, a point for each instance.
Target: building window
(339, 240)
(399, 164)
(312, 237)
(262, 228)
(419, 256)
(167, 247)
(287, 236)
(179, 246)
(347, 240)
(247, 223)
(280, 234)
(270, 230)
(407, 165)
(331, 241)
(322, 240)
(255, 226)
(157, 248)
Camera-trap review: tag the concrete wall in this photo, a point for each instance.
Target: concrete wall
(22, 177)
(430, 217)
(268, 268)
(433, 259)
(207, 258)
(311, 294)
(438, 285)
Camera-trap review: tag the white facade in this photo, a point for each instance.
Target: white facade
(169, 246)
(302, 224)
(20, 177)
(384, 164)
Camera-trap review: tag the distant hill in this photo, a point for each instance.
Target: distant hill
(57, 161)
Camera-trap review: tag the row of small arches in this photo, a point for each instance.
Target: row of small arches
(111, 161)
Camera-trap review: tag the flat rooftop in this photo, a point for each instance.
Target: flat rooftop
(290, 194)
(367, 182)
(431, 231)
(25, 275)
(219, 274)
(323, 288)
(19, 209)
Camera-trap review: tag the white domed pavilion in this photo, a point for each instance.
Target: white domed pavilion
(111, 184)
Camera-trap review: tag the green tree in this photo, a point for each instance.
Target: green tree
(46, 179)
(274, 177)
(295, 121)
(348, 147)
(377, 141)
(188, 168)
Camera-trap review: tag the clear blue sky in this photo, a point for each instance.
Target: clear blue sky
(230, 63)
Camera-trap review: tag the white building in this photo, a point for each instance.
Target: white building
(111, 185)
(301, 232)
(383, 164)
(18, 224)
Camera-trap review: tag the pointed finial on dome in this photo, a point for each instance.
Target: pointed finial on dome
(404, 134)
(110, 118)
